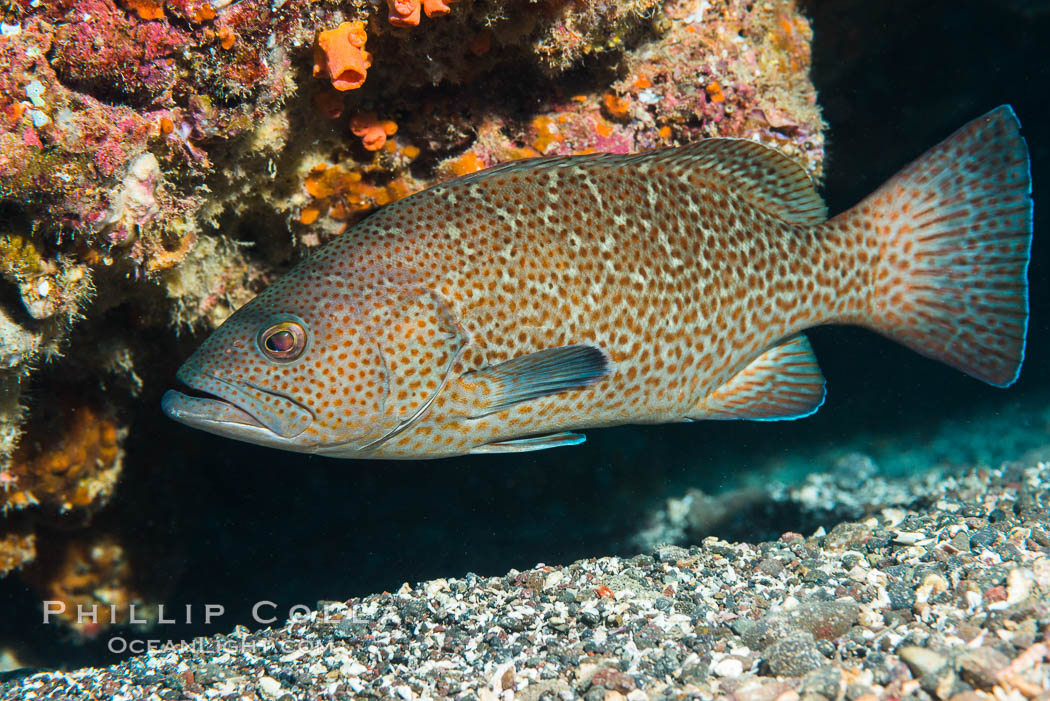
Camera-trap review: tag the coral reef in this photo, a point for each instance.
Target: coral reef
(60, 474)
(210, 284)
(85, 574)
(16, 550)
(71, 465)
(160, 162)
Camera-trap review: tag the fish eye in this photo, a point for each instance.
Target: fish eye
(284, 341)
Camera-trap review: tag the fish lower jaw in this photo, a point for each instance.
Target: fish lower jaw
(222, 418)
(205, 411)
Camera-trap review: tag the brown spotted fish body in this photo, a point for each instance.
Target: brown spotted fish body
(497, 311)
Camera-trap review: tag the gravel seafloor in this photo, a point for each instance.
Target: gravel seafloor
(943, 594)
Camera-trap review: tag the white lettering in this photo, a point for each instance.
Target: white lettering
(213, 610)
(259, 605)
(53, 607)
(81, 615)
(131, 617)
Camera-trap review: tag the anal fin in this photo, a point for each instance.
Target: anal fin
(525, 445)
(783, 383)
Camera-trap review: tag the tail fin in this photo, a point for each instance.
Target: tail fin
(954, 232)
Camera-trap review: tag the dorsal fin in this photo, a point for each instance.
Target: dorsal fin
(767, 178)
(783, 383)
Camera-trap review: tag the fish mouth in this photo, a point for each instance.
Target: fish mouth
(227, 409)
(199, 409)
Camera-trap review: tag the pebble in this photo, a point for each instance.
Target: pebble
(794, 656)
(922, 661)
(826, 619)
(824, 681)
(270, 687)
(901, 596)
(979, 667)
(845, 615)
(1019, 585)
(729, 667)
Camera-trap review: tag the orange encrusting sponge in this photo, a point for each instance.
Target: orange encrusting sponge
(405, 13)
(340, 55)
(373, 131)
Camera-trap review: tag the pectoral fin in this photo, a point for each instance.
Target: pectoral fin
(532, 376)
(525, 445)
(781, 384)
